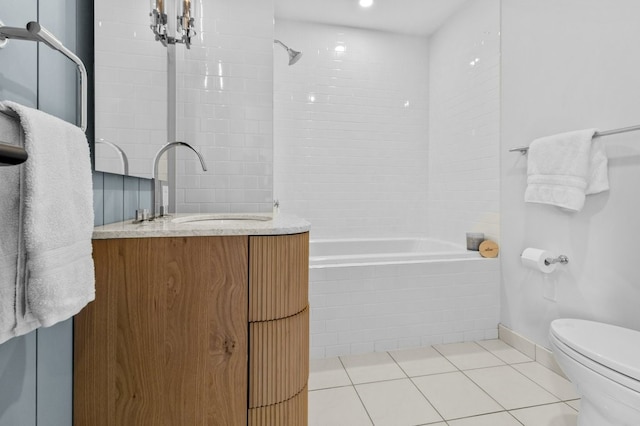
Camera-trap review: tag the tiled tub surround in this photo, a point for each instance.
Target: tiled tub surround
(380, 134)
(371, 306)
(484, 383)
(351, 130)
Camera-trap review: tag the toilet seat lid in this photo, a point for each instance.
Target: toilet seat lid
(614, 347)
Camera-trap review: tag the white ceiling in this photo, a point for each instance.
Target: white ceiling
(418, 17)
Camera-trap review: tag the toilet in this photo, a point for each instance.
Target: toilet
(603, 361)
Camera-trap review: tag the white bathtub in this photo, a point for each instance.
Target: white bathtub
(327, 253)
(371, 295)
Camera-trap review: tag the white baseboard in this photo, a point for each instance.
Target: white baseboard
(536, 352)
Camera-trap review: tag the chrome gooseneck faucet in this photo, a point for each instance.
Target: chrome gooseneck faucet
(157, 210)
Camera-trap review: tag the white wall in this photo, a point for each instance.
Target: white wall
(351, 130)
(464, 123)
(568, 65)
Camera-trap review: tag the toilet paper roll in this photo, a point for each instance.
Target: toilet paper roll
(534, 258)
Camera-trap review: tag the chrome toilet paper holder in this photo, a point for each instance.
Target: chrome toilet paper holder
(560, 259)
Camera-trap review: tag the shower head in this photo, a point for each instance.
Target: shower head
(294, 55)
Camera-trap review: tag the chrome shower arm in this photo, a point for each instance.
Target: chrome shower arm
(281, 44)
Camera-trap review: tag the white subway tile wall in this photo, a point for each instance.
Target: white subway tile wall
(382, 134)
(464, 123)
(225, 94)
(373, 308)
(351, 130)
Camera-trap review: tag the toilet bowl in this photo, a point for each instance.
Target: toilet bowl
(603, 361)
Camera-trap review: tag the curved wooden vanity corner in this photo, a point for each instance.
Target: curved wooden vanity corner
(195, 330)
(278, 330)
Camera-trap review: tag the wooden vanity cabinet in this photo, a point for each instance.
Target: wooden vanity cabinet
(195, 331)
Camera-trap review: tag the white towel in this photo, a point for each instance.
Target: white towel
(9, 230)
(58, 218)
(563, 168)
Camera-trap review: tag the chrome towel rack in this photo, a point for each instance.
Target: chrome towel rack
(35, 32)
(11, 155)
(524, 149)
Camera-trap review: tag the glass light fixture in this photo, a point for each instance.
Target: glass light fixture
(366, 3)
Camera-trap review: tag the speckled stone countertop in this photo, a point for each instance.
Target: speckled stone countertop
(206, 225)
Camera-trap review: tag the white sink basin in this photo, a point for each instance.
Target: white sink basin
(220, 219)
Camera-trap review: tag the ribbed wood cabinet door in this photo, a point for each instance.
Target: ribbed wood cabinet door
(165, 341)
(278, 276)
(278, 330)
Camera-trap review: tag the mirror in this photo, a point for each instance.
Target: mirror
(130, 89)
(222, 101)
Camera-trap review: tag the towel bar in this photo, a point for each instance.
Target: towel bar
(11, 155)
(35, 32)
(524, 149)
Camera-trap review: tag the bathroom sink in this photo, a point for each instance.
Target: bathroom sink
(220, 219)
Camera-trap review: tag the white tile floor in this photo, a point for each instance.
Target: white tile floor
(484, 383)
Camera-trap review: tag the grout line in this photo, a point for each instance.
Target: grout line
(363, 405)
(538, 384)
(330, 387)
(477, 415)
(446, 421)
(483, 390)
(515, 418)
(417, 388)
(511, 364)
(427, 399)
(472, 381)
(541, 405)
(346, 371)
(570, 406)
(353, 386)
(480, 387)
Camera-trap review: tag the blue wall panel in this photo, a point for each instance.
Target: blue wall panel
(18, 82)
(36, 370)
